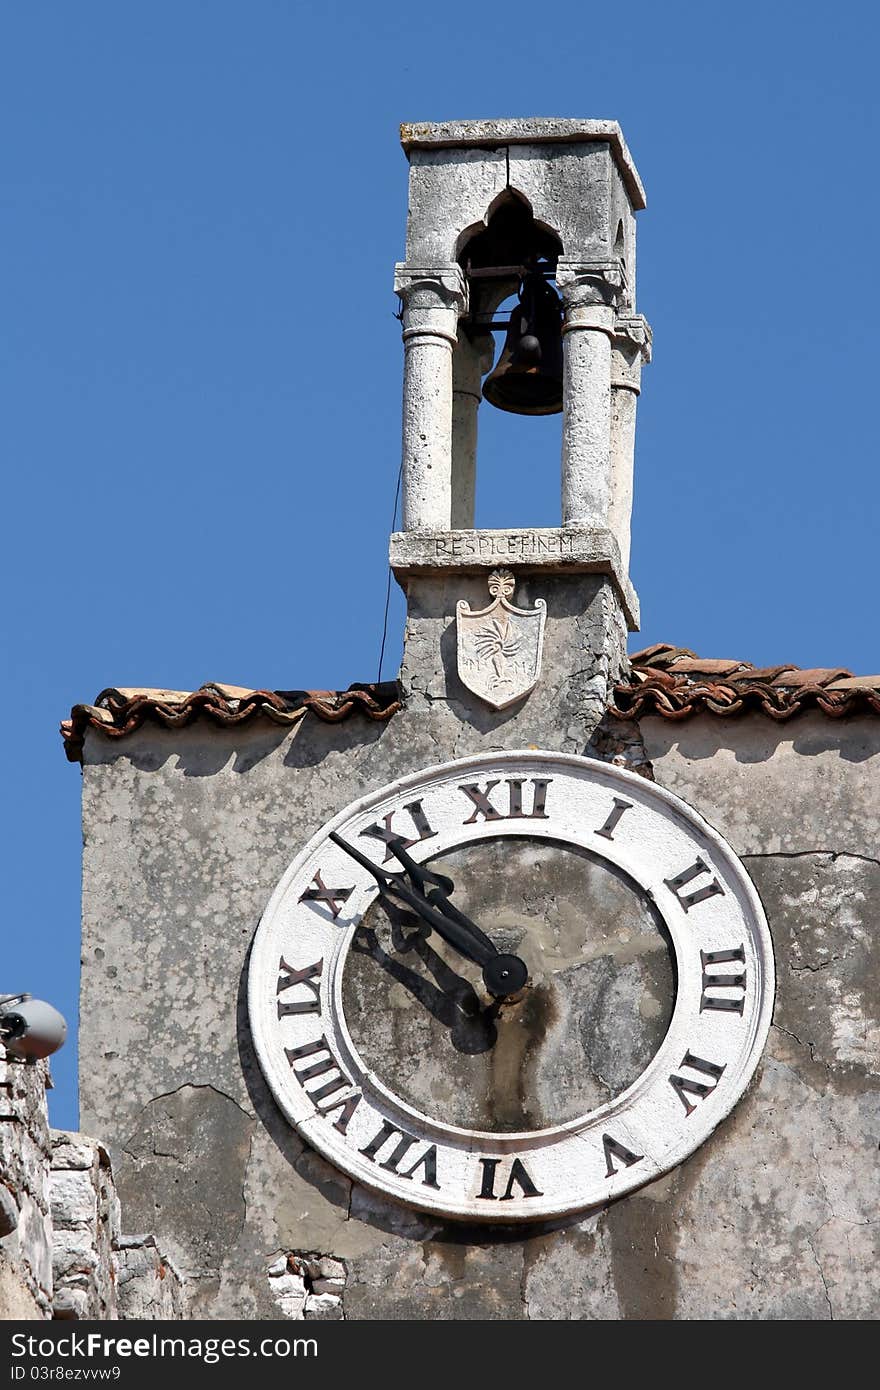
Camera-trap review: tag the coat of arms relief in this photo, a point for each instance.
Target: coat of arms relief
(499, 647)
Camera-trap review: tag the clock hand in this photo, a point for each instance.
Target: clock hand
(503, 974)
(392, 885)
(439, 895)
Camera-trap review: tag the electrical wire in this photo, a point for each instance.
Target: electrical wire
(388, 585)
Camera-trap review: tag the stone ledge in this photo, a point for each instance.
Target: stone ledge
(559, 550)
(537, 130)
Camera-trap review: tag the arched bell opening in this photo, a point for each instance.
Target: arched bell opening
(509, 354)
(514, 254)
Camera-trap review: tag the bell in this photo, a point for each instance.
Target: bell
(528, 377)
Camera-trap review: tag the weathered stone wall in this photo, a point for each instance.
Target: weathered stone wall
(61, 1254)
(25, 1218)
(85, 1220)
(186, 834)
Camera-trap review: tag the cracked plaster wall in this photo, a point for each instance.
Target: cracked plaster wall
(186, 834)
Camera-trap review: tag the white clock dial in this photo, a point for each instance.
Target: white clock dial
(647, 1004)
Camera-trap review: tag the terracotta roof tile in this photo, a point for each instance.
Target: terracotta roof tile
(675, 683)
(119, 711)
(670, 681)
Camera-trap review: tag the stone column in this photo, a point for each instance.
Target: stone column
(630, 347)
(589, 291)
(471, 359)
(432, 300)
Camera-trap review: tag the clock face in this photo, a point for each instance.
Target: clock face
(414, 1056)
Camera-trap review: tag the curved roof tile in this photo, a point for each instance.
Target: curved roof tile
(675, 683)
(119, 711)
(672, 682)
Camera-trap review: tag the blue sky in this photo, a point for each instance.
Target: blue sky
(202, 204)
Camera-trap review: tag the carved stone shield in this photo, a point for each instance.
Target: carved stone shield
(499, 647)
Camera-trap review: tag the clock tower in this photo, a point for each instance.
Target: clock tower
(451, 997)
(541, 213)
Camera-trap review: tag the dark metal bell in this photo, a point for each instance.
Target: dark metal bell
(528, 377)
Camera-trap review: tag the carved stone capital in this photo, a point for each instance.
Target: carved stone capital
(590, 284)
(431, 287)
(630, 348)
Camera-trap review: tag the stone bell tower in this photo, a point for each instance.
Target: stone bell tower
(491, 202)
(196, 803)
(246, 1013)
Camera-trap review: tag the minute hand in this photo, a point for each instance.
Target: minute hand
(439, 895)
(503, 974)
(462, 937)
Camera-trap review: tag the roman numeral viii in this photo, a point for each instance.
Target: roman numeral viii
(479, 798)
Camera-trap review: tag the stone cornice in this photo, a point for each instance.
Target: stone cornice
(560, 550)
(538, 130)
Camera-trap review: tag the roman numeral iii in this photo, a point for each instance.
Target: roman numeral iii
(715, 980)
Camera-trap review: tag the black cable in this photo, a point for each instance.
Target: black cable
(388, 586)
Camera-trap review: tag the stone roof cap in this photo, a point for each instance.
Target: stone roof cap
(420, 135)
(676, 683)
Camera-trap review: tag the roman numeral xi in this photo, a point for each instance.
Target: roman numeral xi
(388, 831)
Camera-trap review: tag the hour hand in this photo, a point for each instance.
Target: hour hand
(438, 896)
(503, 974)
(417, 873)
(479, 950)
